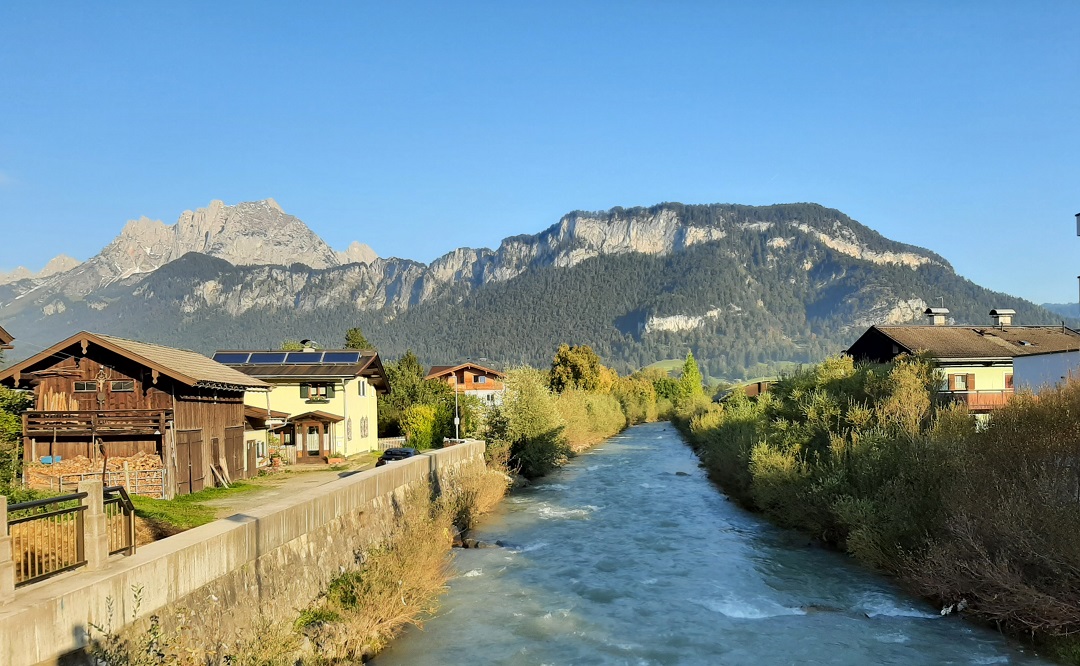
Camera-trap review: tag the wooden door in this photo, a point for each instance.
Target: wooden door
(190, 477)
(234, 452)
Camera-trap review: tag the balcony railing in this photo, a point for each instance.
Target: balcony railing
(980, 401)
(101, 422)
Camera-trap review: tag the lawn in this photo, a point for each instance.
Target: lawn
(186, 511)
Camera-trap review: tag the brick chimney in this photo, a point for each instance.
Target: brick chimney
(1002, 317)
(938, 316)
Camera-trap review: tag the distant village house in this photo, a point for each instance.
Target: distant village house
(471, 379)
(980, 363)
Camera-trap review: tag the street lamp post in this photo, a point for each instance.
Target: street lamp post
(457, 415)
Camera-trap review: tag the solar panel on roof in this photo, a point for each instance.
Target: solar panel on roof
(231, 357)
(303, 357)
(341, 357)
(267, 358)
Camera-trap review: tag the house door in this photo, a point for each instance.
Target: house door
(313, 445)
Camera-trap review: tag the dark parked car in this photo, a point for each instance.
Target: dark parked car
(390, 455)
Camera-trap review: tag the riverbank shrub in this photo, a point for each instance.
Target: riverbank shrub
(528, 424)
(589, 418)
(864, 458)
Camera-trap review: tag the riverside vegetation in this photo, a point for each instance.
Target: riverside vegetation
(983, 520)
(545, 417)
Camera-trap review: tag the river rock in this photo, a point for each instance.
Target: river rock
(682, 474)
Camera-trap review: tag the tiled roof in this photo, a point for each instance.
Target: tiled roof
(186, 367)
(187, 363)
(438, 370)
(983, 342)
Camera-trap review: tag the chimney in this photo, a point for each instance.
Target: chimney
(1002, 317)
(310, 345)
(937, 316)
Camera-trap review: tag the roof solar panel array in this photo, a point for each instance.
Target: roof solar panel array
(287, 358)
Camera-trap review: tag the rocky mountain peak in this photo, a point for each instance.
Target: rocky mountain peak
(57, 264)
(357, 253)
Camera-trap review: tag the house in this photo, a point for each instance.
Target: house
(6, 339)
(471, 379)
(1035, 372)
(325, 399)
(105, 397)
(978, 362)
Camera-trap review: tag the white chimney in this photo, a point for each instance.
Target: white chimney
(1002, 316)
(938, 316)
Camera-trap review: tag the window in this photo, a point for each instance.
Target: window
(362, 387)
(85, 387)
(317, 392)
(480, 379)
(122, 386)
(958, 382)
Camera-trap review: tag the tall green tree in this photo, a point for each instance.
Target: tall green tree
(690, 384)
(354, 339)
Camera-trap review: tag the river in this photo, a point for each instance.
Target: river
(629, 555)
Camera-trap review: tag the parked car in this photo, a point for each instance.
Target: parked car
(390, 455)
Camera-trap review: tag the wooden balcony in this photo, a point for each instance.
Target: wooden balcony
(124, 422)
(980, 401)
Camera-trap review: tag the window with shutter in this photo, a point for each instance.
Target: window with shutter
(305, 391)
(971, 382)
(329, 391)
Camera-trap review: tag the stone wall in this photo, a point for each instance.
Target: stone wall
(216, 579)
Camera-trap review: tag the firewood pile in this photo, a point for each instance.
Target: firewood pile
(142, 474)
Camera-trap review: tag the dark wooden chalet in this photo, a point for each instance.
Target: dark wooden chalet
(101, 396)
(6, 339)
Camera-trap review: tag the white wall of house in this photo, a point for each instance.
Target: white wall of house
(1045, 370)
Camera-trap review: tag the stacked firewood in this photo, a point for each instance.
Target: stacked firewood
(143, 475)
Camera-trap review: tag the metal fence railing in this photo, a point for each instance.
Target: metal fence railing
(119, 520)
(47, 536)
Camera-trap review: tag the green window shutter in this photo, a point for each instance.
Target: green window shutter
(304, 391)
(329, 391)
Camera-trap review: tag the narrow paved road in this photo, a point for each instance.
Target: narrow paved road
(286, 484)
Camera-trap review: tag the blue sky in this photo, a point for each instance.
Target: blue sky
(421, 127)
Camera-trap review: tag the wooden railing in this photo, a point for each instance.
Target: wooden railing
(101, 422)
(391, 443)
(47, 536)
(980, 400)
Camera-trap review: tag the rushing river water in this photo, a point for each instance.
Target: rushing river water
(629, 555)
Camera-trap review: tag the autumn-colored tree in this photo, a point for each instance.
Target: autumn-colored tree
(576, 367)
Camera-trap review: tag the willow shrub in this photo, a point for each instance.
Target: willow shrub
(589, 417)
(1010, 545)
(527, 426)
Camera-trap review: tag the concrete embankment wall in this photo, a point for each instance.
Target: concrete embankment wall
(217, 579)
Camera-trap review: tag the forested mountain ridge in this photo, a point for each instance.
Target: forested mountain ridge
(747, 288)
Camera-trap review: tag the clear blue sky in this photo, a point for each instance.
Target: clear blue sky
(417, 128)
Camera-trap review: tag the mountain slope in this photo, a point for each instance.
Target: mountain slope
(747, 288)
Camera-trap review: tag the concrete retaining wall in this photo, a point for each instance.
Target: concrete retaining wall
(220, 577)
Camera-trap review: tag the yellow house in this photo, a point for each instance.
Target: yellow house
(329, 397)
(976, 361)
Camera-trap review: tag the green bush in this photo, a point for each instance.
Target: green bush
(422, 425)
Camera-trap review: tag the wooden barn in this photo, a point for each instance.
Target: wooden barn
(99, 397)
